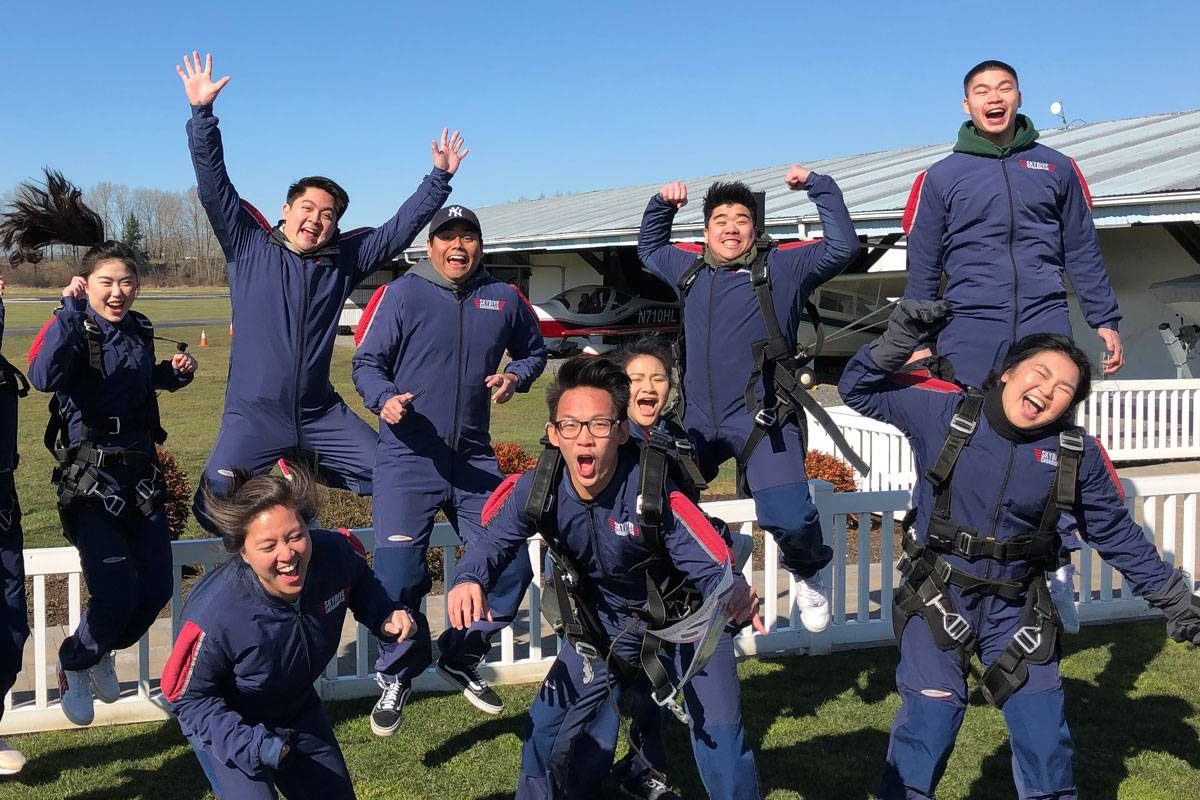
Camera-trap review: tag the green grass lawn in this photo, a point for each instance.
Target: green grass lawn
(819, 727)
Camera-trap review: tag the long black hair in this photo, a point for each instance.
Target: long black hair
(250, 495)
(57, 214)
(1042, 343)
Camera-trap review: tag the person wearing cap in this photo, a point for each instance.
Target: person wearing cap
(288, 284)
(428, 365)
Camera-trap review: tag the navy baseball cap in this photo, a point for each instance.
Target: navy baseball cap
(449, 214)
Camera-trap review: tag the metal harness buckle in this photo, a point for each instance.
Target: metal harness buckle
(963, 425)
(113, 503)
(766, 417)
(955, 625)
(1028, 639)
(116, 426)
(1071, 441)
(586, 649)
(966, 544)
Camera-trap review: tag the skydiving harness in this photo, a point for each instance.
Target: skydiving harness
(11, 380)
(783, 372)
(928, 574)
(674, 610)
(78, 474)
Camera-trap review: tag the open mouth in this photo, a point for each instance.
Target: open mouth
(996, 114)
(587, 466)
(458, 259)
(1032, 406)
(647, 405)
(290, 573)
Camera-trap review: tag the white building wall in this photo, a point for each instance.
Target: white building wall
(553, 272)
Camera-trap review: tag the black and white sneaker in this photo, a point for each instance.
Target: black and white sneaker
(474, 688)
(647, 786)
(388, 712)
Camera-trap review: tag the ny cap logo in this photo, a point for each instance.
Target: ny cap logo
(454, 211)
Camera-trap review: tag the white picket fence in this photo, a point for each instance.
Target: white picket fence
(1134, 420)
(860, 587)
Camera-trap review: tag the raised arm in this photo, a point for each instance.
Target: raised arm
(1085, 267)
(924, 223)
(654, 236)
(53, 361)
(839, 243)
(232, 226)
(394, 236)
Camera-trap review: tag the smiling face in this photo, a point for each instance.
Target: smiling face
(111, 289)
(591, 462)
(278, 548)
(729, 231)
(1039, 390)
(455, 250)
(992, 101)
(310, 220)
(649, 389)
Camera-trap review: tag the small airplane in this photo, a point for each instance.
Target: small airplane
(594, 319)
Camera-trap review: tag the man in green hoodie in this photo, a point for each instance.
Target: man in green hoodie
(1004, 217)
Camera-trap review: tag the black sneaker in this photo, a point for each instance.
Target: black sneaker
(388, 712)
(475, 688)
(647, 786)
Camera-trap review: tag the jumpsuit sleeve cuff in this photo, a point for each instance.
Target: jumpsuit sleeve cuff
(203, 111)
(270, 751)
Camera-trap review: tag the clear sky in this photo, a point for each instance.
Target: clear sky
(552, 97)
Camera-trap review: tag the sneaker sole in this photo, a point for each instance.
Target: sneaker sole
(383, 732)
(453, 679)
(6, 771)
(811, 629)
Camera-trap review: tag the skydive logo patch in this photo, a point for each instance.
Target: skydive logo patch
(624, 528)
(1042, 165)
(485, 304)
(333, 602)
(1045, 456)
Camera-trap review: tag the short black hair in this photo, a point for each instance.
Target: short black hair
(593, 372)
(984, 66)
(653, 346)
(341, 200)
(723, 193)
(1042, 343)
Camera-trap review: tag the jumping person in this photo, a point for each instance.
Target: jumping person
(14, 627)
(593, 516)
(1002, 217)
(259, 630)
(1000, 464)
(97, 356)
(733, 408)
(724, 759)
(287, 286)
(426, 364)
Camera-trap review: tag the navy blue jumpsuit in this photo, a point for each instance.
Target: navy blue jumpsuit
(126, 561)
(999, 487)
(285, 312)
(573, 722)
(721, 320)
(240, 676)
(431, 336)
(1004, 225)
(14, 627)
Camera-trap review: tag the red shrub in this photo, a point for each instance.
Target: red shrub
(513, 458)
(826, 467)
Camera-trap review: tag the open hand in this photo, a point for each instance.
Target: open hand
(449, 153)
(197, 81)
(674, 193)
(466, 605)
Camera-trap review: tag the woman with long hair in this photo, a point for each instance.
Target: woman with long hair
(258, 631)
(97, 358)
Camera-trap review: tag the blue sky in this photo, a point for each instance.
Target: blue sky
(552, 97)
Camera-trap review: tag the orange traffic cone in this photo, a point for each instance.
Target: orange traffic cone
(204, 338)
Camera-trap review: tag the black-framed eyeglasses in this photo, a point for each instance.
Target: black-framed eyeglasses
(600, 427)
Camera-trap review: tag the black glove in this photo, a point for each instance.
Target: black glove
(1182, 608)
(913, 324)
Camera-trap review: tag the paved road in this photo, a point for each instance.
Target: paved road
(141, 297)
(178, 323)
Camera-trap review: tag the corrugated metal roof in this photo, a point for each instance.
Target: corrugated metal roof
(1123, 160)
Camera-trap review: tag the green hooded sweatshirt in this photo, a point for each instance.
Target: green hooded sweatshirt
(972, 143)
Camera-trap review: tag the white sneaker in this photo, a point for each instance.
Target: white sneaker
(814, 603)
(75, 695)
(11, 759)
(1062, 592)
(104, 679)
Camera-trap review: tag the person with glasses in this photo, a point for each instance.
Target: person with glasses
(426, 364)
(573, 721)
